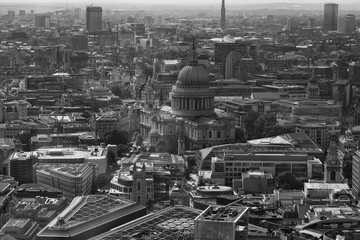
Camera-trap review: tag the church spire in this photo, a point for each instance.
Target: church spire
(332, 166)
(193, 61)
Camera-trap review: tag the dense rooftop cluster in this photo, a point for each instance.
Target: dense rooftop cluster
(188, 122)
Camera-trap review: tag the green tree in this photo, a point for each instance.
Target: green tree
(139, 140)
(122, 93)
(188, 170)
(135, 134)
(101, 181)
(240, 135)
(161, 145)
(86, 114)
(111, 158)
(152, 149)
(274, 130)
(347, 168)
(287, 180)
(122, 150)
(117, 137)
(149, 204)
(249, 124)
(263, 122)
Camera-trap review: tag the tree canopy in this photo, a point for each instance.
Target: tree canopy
(122, 93)
(347, 168)
(261, 126)
(161, 145)
(287, 180)
(117, 137)
(240, 135)
(139, 140)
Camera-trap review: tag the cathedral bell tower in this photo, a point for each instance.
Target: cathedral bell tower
(332, 166)
(139, 184)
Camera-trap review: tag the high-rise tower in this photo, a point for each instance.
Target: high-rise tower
(93, 19)
(330, 16)
(222, 21)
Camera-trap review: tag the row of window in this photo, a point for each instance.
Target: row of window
(121, 189)
(263, 164)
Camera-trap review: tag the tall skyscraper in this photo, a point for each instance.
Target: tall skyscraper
(341, 25)
(222, 21)
(349, 23)
(42, 20)
(311, 22)
(93, 19)
(330, 16)
(77, 13)
(293, 24)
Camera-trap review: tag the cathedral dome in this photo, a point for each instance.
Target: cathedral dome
(193, 75)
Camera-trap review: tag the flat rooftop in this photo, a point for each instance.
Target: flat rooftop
(65, 169)
(222, 213)
(7, 143)
(34, 187)
(156, 158)
(327, 186)
(20, 155)
(17, 223)
(85, 208)
(168, 223)
(70, 153)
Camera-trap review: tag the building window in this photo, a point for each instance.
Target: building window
(219, 134)
(138, 186)
(210, 134)
(138, 199)
(333, 176)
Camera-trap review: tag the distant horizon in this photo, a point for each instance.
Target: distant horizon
(48, 5)
(167, 2)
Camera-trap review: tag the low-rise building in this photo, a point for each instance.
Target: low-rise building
(20, 228)
(324, 193)
(255, 182)
(7, 147)
(14, 110)
(219, 222)
(292, 152)
(88, 216)
(141, 182)
(207, 195)
(14, 128)
(63, 139)
(72, 179)
(40, 209)
(169, 162)
(169, 223)
(92, 154)
(20, 164)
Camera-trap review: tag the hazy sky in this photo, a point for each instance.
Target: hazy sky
(142, 4)
(175, 2)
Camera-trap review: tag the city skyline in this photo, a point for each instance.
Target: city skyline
(184, 2)
(181, 120)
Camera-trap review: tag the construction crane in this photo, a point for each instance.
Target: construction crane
(111, 34)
